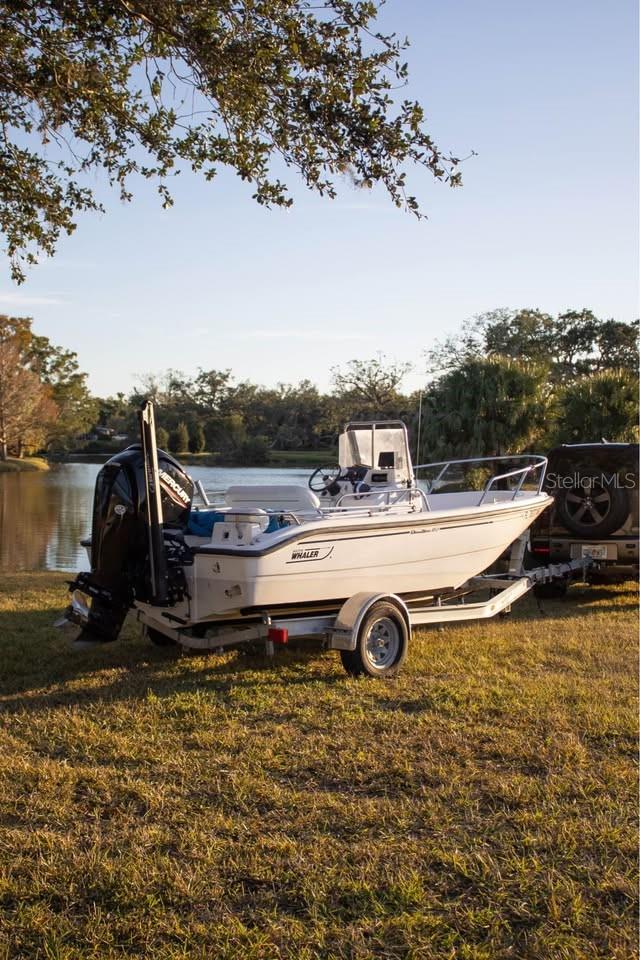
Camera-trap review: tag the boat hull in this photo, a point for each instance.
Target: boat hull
(425, 552)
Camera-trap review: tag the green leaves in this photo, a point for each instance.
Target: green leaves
(369, 388)
(572, 344)
(604, 405)
(142, 86)
(518, 378)
(64, 406)
(485, 407)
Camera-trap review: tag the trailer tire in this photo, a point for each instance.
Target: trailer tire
(159, 639)
(381, 644)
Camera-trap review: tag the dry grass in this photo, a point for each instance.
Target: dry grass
(482, 805)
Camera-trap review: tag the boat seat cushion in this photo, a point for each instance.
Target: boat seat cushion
(272, 497)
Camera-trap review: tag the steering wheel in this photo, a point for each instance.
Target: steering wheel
(327, 476)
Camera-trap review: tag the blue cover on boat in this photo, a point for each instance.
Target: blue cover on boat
(201, 522)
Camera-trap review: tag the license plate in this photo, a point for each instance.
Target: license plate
(596, 551)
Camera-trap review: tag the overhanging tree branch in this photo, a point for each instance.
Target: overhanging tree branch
(310, 83)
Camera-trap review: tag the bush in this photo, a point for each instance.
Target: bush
(602, 405)
(253, 452)
(162, 438)
(101, 446)
(179, 439)
(197, 440)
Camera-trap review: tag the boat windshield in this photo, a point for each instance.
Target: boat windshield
(379, 446)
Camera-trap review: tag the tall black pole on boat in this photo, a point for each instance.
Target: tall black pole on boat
(419, 427)
(157, 559)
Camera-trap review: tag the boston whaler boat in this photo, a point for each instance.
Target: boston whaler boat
(354, 557)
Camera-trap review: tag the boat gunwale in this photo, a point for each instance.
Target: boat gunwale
(317, 528)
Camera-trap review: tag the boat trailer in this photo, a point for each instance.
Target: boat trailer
(372, 630)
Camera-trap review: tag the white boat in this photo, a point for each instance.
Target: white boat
(363, 524)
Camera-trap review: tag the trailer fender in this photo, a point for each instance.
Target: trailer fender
(344, 633)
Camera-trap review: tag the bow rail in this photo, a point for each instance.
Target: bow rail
(536, 464)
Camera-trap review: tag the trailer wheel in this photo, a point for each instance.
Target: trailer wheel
(159, 639)
(381, 644)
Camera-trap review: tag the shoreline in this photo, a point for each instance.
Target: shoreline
(277, 458)
(24, 465)
(306, 459)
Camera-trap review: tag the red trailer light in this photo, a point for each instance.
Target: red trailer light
(278, 635)
(541, 549)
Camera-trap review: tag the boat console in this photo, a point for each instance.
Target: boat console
(373, 458)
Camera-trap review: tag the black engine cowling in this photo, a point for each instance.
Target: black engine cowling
(119, 535)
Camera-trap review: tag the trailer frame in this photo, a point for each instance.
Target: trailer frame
(343, 631)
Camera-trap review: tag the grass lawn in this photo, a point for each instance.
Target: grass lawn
(481, 805)
(23, 465)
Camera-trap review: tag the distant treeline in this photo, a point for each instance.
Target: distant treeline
(512, 381)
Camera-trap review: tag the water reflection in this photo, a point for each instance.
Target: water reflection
(43, 516)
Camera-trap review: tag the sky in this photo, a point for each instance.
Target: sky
(545, 92)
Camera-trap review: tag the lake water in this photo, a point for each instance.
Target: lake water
(43, 516)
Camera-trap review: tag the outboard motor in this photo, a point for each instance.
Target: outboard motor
(131, 548)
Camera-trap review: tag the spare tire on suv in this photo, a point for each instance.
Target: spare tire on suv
(595, 508)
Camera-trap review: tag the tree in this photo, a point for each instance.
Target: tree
(26, 404)
(602, 406)
(288, 416)
(148, 87)
(58, 368)
(585, 345)
(179, 439)
(369, 388)
(210, 389)
(118, 413)
(253, 452)
(572, 344)
(231, 433)
(485, 408)
(169, 388)
(162, 438)
(525, 335)
(197, 441)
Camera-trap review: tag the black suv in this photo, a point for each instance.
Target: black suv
(595, 509)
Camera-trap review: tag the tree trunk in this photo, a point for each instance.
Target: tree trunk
(3, 450)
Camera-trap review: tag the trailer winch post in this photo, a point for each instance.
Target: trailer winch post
(517, 554)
